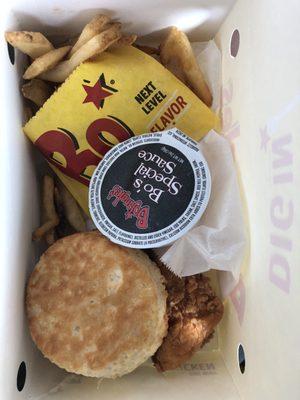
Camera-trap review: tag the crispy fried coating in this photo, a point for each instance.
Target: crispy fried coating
(193, 310)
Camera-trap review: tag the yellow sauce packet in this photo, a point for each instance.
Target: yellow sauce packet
(122, 93)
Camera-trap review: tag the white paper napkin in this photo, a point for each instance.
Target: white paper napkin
(217, 241)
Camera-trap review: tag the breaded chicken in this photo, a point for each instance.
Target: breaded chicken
(193, 310)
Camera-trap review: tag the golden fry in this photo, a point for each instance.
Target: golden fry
(28, 113)
(48, 209)
(60, 73)
(71, 210)
(37, 91)
(57, 199)
(97, 44)
(50, 237)
(93, 28)
(147, 49)
(93, 47)
(32, 43)
(42, 230)
(177, 55)
(45, 62)
(125, 41)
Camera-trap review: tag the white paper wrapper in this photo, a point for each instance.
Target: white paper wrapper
(217, 241)
(209, 58)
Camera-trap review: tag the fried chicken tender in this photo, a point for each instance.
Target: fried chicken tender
(194, 311)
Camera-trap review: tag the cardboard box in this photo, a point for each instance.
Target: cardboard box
(260, 109)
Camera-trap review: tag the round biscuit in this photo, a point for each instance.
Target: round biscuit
(96, 308)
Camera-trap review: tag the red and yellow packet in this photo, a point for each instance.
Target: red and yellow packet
(122, 93)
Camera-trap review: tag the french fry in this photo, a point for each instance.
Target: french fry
(93, 28)
(42, 230)
(58, 201)
(147, 49)
(37, 91)
(156, 57)
(45, 62)
(50, 237)
(177, 55)
(60, 73)
(97, 44)
(64, 228)
(93, 47)
(126, 40)
(28, 113)
(48, 209)
(32, 43)
(71, 210)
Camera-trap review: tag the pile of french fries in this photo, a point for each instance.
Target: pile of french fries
(51, 66)
(61, 215)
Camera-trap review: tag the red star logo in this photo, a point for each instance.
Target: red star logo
(97, 94)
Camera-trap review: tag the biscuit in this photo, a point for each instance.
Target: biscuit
(96, 308)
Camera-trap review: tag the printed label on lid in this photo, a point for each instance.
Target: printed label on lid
(149, 190)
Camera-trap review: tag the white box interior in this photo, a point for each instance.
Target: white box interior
(260, 111)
